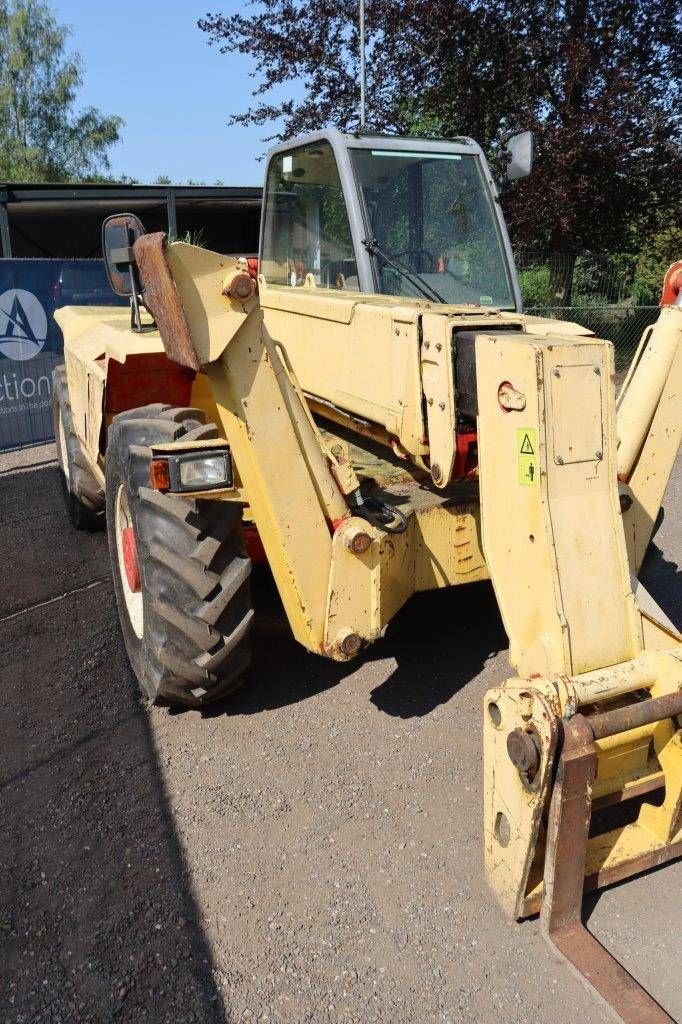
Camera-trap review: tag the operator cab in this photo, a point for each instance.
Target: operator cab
(385, 215)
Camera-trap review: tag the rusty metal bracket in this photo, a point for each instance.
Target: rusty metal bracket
(162, 299)
(566, 853)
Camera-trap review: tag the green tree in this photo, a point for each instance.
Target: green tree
(597, 81)
(662, 250)
(43, 137)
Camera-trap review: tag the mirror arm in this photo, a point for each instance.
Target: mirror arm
(124, 254)
(500, 163)
(135, 318)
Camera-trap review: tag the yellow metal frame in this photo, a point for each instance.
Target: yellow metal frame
(548, 529)
(555, 546)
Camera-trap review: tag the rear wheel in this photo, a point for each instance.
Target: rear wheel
(83, 494)
(181, 573)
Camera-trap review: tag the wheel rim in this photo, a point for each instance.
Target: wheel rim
(63, 450)
(132, 597)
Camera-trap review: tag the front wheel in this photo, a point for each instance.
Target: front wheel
(180, 570)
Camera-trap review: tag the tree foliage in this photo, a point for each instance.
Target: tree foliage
(595, 80)
(662, 250)
(42, 135)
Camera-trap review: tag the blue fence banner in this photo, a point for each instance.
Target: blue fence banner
(31, 343)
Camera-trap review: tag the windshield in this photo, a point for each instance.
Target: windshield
(431, 214)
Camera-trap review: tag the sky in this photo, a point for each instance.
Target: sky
(148, 62)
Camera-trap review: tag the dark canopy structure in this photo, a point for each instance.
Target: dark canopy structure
(64, 221)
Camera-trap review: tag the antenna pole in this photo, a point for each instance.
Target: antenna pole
(362, 65)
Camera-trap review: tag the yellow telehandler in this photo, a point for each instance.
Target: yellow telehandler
(369, 410)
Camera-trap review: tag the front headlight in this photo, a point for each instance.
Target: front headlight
(191, 471)
(204, 472)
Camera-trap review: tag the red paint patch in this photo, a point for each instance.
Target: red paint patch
(672, 285)
(254, 546)
(466, 456)
(144, 379)
(130, 562)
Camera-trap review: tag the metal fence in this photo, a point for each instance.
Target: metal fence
(623, 325)
(587, 278)
(602, 292)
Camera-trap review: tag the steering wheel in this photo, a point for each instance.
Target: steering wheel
(419, 253)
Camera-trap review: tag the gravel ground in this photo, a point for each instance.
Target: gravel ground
(310, 851)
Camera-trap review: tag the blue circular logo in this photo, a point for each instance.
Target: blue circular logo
(23, 324)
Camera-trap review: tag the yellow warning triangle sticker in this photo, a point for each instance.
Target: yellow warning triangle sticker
(526, 446)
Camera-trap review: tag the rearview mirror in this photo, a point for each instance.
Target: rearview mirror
(119, 233)
(519, 156)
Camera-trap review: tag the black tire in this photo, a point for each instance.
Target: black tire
(194, 569)
(83, 494)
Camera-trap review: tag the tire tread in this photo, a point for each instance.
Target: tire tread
(194, 567)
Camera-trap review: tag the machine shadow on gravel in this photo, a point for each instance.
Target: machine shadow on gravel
(661, 578)
(97, 921)
(459, 629)
(282, 672)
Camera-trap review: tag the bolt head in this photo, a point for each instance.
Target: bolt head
(350, 645)
(239, 287)
(523, 751)
(359, 543)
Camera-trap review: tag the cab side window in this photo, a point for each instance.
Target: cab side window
(306, 228)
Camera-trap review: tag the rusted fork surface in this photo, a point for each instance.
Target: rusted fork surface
(568, 832)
